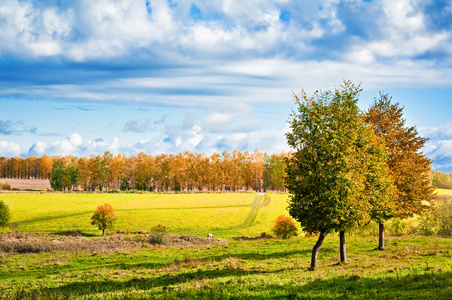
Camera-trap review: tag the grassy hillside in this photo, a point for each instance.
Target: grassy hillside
(198, 214)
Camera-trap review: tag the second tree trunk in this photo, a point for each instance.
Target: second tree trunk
(342, 246)
(381, 237)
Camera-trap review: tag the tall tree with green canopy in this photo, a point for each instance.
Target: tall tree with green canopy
(338, 170)
(408, 166)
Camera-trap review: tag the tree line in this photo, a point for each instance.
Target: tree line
(441, 180)
(186, 171)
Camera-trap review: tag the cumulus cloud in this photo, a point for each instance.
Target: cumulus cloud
(87, 30)
(175, 138)
(9, 148)
(72, 145)
(157, 51)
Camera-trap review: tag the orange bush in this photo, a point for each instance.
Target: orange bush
(285, 227)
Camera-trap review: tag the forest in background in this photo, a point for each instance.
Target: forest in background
(186, 171)
(441, 180)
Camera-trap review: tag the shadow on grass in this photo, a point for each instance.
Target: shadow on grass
(75, 233)
(413, 286)
(166, 280)
(50, 218)
(88, 212)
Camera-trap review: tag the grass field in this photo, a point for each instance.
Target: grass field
(410, 268)
(127, 266)
(196, 214)
(444, 192)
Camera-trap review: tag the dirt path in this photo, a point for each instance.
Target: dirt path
(260, 201)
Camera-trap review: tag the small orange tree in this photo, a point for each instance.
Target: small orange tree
(103, 217)
(285, 227)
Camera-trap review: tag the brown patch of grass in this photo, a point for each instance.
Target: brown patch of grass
(75, 241)
(263, 236)
(232, 263)
(27, 184)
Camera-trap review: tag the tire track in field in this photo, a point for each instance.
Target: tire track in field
(260, 201)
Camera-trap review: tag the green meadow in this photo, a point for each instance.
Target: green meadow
(32, 267)
(221, 214)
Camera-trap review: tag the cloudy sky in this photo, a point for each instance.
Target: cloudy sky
(165, 76)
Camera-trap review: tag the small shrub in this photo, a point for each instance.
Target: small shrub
(285, 227)
(429, 224)
(5, 186)
(158, 234)
(5, 216)
(265, 235)
(439, 221)
(399, 227)
(370, 229)
(103, 217)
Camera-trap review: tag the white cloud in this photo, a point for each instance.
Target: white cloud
(442, 131)
(75, 139)
(403, 33)
(439, 146)
(72, 145)
(9, 148)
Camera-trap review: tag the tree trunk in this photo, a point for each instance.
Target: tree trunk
(342, 246)
(381, 237)
(103, 232)
(315, 250)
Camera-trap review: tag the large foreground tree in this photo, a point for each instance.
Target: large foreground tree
(408, 166)
(338, 170)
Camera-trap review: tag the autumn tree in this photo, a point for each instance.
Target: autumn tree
(336, 157)
(45, 167)
(441, 180)
(190, 171)
(128, 173)
(144, 171)
(103, 217)
(257, 169)
(215, 171)
(114, 171)
(409, 167)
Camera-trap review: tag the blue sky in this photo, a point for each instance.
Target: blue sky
(85, 77)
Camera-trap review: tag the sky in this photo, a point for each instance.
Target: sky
(167, 76)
